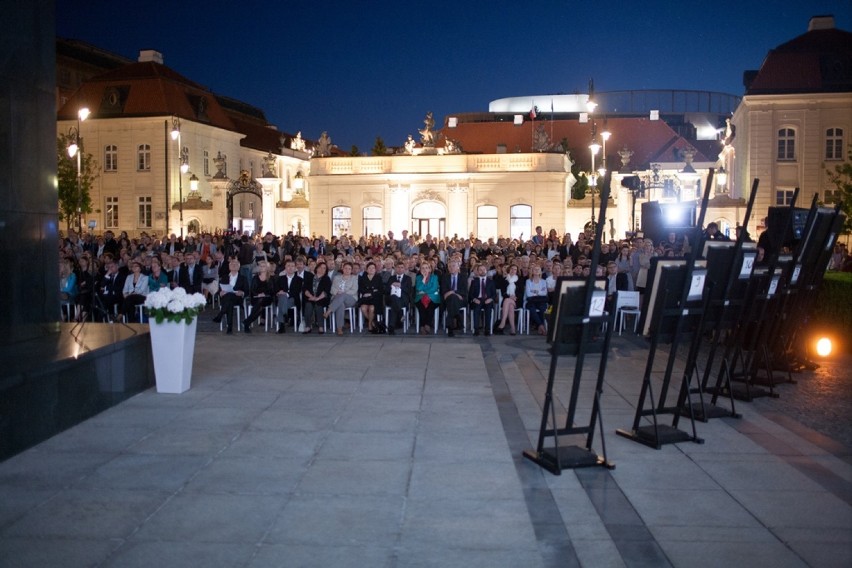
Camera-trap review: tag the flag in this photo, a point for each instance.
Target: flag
(533, 111)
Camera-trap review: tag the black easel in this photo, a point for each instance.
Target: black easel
(576, 321)
(725, 266)
(676, 307)
(750, 342)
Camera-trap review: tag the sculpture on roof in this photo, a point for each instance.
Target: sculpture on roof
(324, 146)
(541, 140)
(427, 137)
(410, 144)
(452, 146)
(625, 154)
(297, 143)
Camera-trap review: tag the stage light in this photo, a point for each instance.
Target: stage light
(674, 215)
(823, 347)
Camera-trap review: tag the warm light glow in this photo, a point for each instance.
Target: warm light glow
(175, 133)
(722, 177)
(823, 347)
(299, 181)
(72, 149)
(605, 135)
(595, 148)
(184, 167)
(83, 114)
(591, 105)
(193, 183)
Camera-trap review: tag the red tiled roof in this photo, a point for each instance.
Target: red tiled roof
(650, 140)
(817, 61)
(147, 89)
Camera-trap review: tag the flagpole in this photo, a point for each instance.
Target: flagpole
(532, 126)
(551, 121)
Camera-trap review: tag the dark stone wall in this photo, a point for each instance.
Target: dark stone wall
(29, 288)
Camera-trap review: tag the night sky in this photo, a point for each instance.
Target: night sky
(362, 68)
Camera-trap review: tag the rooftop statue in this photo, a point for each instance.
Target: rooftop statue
(323, 148)
(427, 137)
(297, 143)
(410, 144)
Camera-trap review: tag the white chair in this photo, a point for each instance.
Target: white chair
(436, 322)
(296, 318)
(627, 303)
(463, 317)
(238, 310)
(70, 311)
(490, 323)
(404, 318)
(348, 312)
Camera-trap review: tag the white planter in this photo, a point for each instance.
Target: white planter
(173, 345)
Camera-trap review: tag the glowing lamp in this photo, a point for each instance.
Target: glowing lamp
(823, 347)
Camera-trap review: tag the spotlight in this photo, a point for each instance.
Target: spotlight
(823, 347)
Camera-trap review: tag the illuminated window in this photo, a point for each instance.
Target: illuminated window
(834, 144)
(111, 209)
(486, 221)
(341, 221)
(145, 211)
(143, 158)
(786, 145)
(520, 222)
(110, 158)
(206, 162)
(372, 220)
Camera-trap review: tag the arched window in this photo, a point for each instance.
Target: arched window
(143, 158)
(520, 221)
(834, 144)
(110, 158)
(341, 221)
(372, 220)
(786, 145)
(486, 221)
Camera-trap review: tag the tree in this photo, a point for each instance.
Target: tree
(379, 148)
(354, 151)
(66, 179)
(841, 177)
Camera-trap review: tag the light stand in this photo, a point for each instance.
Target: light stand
(184, 168)
(76, 149)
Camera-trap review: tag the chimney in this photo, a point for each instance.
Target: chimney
(150, 55)
(821, 23)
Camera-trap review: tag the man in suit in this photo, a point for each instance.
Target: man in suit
(454, 294)
(482, 296)
(190, 275)
(232, 289)
(288, 292)
(173, 245)
(109, 289)
(615, 281)
(398, 290)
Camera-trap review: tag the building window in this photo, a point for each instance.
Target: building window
(831, 196)
(110, 158)
(111, 209)
(185, 156)
(206, 163)
(783, 196)
(834, 144)
(786, 145)
(486, 221)
(341, 221)
(143, 158)
(372, 220)
(145, 212)
(520, 222)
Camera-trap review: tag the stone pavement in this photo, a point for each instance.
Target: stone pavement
(370, 451)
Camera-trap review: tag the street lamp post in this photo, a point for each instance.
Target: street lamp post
(76, 149)
(594, 148)
(184, 167)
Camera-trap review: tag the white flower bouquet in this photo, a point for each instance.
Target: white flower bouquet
(173, 305)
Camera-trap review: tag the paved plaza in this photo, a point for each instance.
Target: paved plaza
(376, 451)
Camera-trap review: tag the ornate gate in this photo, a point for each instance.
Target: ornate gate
(244, 184)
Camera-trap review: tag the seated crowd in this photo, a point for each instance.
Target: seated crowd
(313, 282)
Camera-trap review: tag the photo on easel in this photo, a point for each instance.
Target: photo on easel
(569, 310)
